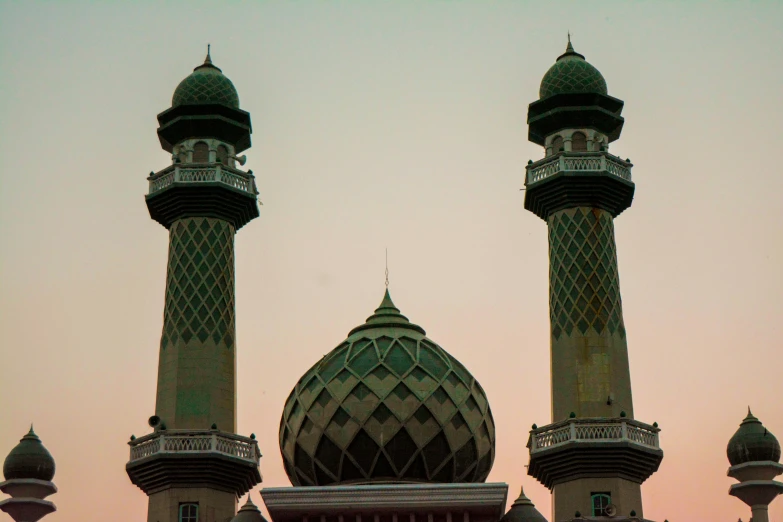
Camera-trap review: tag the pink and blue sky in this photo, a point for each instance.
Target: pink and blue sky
(396, 125)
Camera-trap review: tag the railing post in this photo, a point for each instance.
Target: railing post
(572, 425)
(214, 442)
(561, 163)
(176, 173)
(533, 444)
(624, 430)
(603, 162)
(218, 173)
(162, 442)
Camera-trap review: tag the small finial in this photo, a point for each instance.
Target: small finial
(31, 429)
(387, 268)
(569, 47)
(208, 59)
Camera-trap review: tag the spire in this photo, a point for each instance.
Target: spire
(249, 506)
(750, 418)
(570, 52)
(387, 315)
(522, 500)
(208, 59)
(569, 47)
(387, 269)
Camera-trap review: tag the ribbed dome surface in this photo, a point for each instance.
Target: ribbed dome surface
(206, 84)
(752, 442)
(387, 405)
(29, 460)
(571, 74)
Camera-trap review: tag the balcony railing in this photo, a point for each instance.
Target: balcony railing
(191, 441)
(203, 173)
(593, 430)
(578, 162)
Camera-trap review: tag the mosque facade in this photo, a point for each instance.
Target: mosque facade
(389, 426)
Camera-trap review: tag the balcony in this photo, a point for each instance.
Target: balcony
(578, 162)
(181, 458)
(594, 447)
(202, 173)
(578, 179)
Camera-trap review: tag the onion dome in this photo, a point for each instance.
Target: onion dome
(206, 85)
(571, 74)
(523, 510)
(387, 405)
(29, 460)
(249, 513)
(752, 443)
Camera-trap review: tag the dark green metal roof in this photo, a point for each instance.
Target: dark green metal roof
(752, 442)
(29, 460)
(206, 84)
(249, 513)
(571, 74)
(523, 510)
(387, 405)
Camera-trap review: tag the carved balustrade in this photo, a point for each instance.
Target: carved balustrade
(202, 173)
(593, 430)
(586, 162)
(190, 441)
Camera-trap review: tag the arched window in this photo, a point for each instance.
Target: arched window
(600, 502)
(222, 154)
(578, 142)
(188, 512)
(201, 152)
(557, 145)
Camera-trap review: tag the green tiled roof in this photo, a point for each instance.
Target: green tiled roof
(206, 84)
(571, 74)
(29, 460)
(752, 442)
(387, 405)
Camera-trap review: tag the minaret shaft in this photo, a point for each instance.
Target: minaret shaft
(589, 355)
(197, 366)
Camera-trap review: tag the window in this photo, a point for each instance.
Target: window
(188, 512)
(578, 142)
(201, 152)
(600, 502)
(222, 154)
(557, 145)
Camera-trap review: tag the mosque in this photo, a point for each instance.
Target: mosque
(389, 426)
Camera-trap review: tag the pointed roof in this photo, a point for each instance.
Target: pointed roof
(206, 85)
(387, 315)
(571, 73)
(523, 510)
(752, 442)
(249, 513)
(29, 460)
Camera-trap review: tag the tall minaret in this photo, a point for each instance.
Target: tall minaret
(594, 456)
(193, 466)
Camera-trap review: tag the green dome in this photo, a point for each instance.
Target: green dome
(387, 405)
(571, 74)
(206, 84)
(29, 460)
(752, 442)
(249, 513)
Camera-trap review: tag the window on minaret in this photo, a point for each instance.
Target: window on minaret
(557, 145)
(600, 503)
(578, 142)
(201, 153)
(222, 154)
(188, 512)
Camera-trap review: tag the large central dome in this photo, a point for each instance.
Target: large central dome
(387, 405)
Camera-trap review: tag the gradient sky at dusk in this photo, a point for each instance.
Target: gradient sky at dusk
(396, 125)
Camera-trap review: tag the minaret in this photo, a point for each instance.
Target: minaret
(28, 470)
(193, 466)
(594, 454)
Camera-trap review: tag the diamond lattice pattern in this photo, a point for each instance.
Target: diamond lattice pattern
(572, 74)
(584, 288)
(206, 86)
(387, 409)
(200, 283)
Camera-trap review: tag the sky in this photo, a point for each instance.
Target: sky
(400, 126)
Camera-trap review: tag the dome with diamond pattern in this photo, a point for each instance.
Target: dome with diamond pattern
(571, 74)
(206, 84)
(387, 405)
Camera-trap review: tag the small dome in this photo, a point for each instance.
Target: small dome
(571, 74)
(387, 405)
(523, 510)
(249, 513)
(29, 460)
(752, 442)
(206, 84)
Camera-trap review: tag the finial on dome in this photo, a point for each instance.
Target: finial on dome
(387, 269)
(569, 47)
(208, 59)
